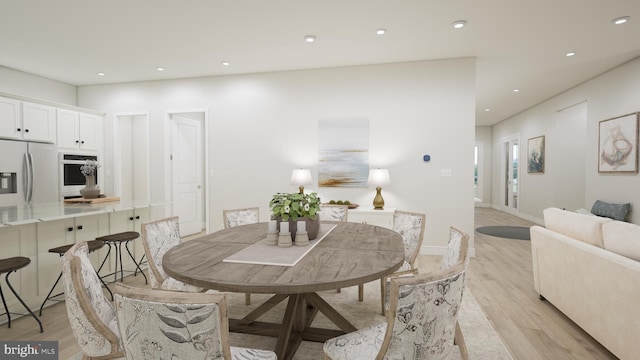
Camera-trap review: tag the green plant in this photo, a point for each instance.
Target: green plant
(332, 202)
(294, 205)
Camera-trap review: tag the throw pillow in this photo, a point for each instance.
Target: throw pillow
(613, 211)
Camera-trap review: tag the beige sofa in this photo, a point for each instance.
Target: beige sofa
(589, 268)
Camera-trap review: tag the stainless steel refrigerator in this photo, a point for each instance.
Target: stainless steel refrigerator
(28, 173)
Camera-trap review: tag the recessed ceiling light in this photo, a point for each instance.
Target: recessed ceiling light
(459, 24)
(160, 68)
(101, 74)
(226, 63)
(570, 54)
(487, 109)
(516, 90)
(309, 38)
(620, 20)
(381, 31)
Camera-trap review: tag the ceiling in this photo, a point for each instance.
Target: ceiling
(518, 44)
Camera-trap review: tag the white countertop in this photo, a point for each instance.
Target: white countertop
(27, 214)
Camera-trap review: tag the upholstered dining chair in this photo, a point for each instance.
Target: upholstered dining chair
(420, 324)
(157, 238)
(457, 248)
(410, 226)
(333, 213)
(237, 217)
(157, 324)
(92, 318)
(457, 252)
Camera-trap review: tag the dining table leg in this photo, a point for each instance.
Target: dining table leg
(296, 323)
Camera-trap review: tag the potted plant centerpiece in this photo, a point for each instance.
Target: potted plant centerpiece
(296, 207)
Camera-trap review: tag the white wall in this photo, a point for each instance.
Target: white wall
(614, 93)
(20, 83)
(261, 126)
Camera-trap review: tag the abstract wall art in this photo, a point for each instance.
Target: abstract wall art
(343, 152)
(618, 144)
(535, 155)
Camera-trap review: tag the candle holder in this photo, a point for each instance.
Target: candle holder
(272, 238)
(284, 240)
(302, 238)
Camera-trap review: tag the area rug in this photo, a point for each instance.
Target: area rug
(483, 343)
(509, 232)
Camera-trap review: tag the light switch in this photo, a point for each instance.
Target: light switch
(445, 172)
(4, 184)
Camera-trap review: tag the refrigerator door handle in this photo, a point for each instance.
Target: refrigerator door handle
(29, 193)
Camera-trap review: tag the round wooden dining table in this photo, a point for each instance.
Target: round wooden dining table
(350, 254)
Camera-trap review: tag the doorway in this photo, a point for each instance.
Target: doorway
(131, 157)
(187, 175)
(478, 172)
(511, 167)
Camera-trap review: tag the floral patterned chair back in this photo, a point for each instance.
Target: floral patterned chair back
(334, 213)
(157, 324)
(421, 321)
(411, 227)
(237, 217)
(92, 318)
(157, 238)
(423, 315)
(457, 248)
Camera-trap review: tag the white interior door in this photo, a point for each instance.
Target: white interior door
(186, 165)
(511, 168)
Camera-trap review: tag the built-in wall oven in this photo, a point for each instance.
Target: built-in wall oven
(71, 178)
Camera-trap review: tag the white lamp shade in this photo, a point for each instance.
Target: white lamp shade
(379, 177)
(301, 177)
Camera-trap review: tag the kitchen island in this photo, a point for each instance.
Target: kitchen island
(31, 230)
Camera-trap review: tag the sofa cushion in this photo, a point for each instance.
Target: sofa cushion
(622, 238)
(613, 211)
(578, 226)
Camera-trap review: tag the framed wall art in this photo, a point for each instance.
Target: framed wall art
(535, 155)
(618, 144)
(343, 159)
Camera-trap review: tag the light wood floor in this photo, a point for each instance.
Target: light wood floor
(500, 278)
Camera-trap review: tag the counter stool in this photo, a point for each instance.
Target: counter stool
(93, 245)
(116, 241)
(8, 266)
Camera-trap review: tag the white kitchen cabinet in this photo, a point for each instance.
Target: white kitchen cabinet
(38, 122)
(23, 120)
(20, 241)
(383, 218)
(52, 233)
(11, 118)
(129, 220)
(78, 131)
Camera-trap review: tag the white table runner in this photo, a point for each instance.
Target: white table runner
(262, 254)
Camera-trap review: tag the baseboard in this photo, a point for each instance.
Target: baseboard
(530, 218)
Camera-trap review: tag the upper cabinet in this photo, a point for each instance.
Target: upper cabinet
(78, 131)
(39, 122)
(27, 121)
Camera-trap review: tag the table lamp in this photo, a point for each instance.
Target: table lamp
(377, 178)
(301, 177)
